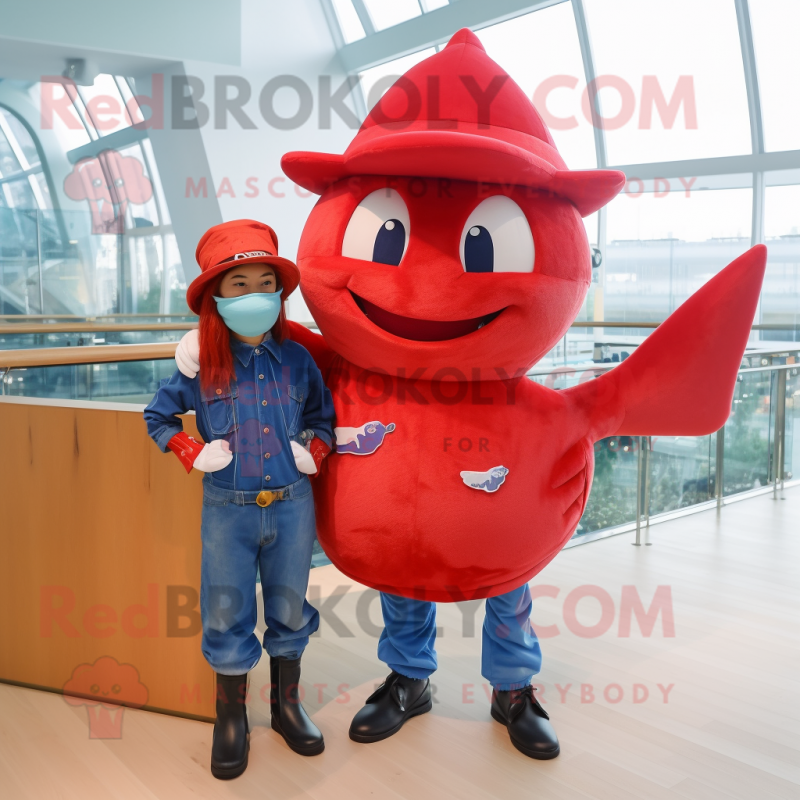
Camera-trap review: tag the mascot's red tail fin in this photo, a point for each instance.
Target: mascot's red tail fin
(680, 381)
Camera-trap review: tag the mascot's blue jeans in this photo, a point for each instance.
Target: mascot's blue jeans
(511, 652)
(239, 538)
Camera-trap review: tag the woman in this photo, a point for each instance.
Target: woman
(267, 422)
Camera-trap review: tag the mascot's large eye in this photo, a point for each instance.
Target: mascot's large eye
(378, 229)
(497, 238)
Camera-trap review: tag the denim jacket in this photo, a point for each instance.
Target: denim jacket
(278, 393)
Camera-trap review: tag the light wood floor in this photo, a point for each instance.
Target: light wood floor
(730, 728)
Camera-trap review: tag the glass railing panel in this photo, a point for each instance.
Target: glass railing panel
(612, 501)
(31, 341)
(682, 472)
(748, 434)
(123, 382)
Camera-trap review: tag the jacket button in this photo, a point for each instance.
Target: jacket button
(263, 402)
(219, 391)
(266, 455)
(261, 377)
(258, 352)
(266, 430)
(266, 477)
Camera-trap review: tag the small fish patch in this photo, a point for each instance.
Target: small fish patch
(362, 441)
(489, 481)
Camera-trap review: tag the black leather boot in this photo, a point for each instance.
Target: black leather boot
(231, 732)
(397, 699)
(528, 723)
(289, 718)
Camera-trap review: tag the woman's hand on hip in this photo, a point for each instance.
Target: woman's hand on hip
(214, 456)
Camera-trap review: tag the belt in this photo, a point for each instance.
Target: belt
(265, 498)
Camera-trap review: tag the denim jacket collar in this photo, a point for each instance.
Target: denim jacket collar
(244, 352)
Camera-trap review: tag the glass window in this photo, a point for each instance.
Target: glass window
(540, 51)
(349, 23)
(70, 135)
(80, 111)
(175, 277)
(136, 191)
(20, 138)
(18, 154)
(105, 108)
(775, 28)
(780, 297)
(127, 96)
(44, 190)
(663, 246)
(384, 15)
(152, 169)
(84, 252)
(8, 161)
(375, 81)
(670, 79)
(146, 273)
(19, 194)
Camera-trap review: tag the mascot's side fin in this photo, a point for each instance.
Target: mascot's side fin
(680, 381)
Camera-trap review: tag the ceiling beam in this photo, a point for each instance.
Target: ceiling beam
(722, 165)
(431, 29)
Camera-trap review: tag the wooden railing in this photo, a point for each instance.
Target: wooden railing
(59, 356)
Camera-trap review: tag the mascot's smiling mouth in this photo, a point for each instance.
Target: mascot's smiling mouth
(420, 330)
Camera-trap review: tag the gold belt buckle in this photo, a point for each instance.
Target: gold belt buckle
(263, 499)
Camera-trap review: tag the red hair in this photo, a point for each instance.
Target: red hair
(216, 358)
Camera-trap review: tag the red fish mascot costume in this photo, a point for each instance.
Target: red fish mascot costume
(445, 257)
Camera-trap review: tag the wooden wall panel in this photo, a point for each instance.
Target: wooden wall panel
(94, 518)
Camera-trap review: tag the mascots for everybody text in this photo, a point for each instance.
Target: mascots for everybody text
(445, 257)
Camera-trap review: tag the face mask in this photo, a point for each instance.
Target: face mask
(250, 314)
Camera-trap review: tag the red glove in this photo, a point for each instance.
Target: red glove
(209, 457)
(186, 448)
(318, 450)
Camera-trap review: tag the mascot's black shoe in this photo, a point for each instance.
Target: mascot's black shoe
(289, 718)
(231, 742)
(397, 699)
(528, 723)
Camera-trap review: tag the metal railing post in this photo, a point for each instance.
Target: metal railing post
(780, 432)
(639, 467)
(39, 259)
(719, 478)
(645, 449)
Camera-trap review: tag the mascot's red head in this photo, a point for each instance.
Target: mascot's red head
(449, 234)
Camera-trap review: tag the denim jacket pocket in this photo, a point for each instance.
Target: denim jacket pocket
(219, 411)
(294, 416)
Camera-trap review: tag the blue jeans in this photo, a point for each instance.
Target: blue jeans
(511, 652)
(239, 538)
